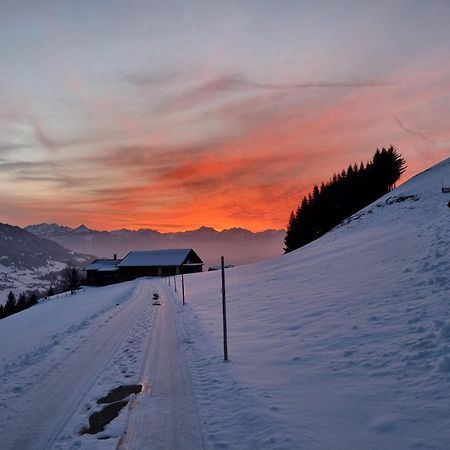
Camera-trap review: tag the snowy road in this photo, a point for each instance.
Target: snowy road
(164, 416)
(58, 376)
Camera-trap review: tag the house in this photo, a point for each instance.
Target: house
(160, 263)
(143, 263)
(102, 272)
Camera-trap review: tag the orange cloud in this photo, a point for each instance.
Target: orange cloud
(281, 141)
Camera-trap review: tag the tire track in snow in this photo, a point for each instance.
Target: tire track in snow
(164, 416)
(60, 393)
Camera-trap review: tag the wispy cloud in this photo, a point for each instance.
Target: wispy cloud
(54, 144)
(414, 133)
(157, 78)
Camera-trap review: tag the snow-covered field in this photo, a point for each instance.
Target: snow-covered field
(343, 344)
(22, 280)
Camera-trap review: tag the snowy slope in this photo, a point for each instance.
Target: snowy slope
(28, 262)
(342, 344)
(59, 357)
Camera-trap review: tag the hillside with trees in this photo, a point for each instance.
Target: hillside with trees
(343, 195)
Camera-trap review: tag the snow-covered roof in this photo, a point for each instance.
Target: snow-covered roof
(103, 265)
(108, 269)
(159, 258)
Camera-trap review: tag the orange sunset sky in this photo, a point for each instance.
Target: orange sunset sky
(173, 115)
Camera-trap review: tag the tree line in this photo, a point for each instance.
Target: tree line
(70, 280)
(344, 194)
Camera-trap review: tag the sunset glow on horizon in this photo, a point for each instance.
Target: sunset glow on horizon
(176, 115)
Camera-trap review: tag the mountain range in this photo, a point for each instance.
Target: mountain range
(28, 261)
(237, 245)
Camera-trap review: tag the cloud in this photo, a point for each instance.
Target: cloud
(9, 147)
(229, 84)
(55, 144)
(256, 149)
(156, 78)
(14, 166)
(415, 133)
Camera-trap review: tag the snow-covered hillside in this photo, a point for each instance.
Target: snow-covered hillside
(343, 344)
(28, 262)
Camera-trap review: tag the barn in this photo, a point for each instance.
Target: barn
(154, 263)
(160, 263)
(102, 272)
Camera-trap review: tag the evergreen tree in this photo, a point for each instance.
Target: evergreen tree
(345, 194)
(22, 302)
(289, 239)
(32, 299)
(71, 279)
(10, 305)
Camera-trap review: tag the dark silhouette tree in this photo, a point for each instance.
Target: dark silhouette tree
(10, 305)
(346, 193)
(51, 291)
(71, 279)
(32, 299)
(22, 302)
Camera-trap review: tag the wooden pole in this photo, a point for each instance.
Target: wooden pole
(224, 312)
(169, 280)
(175, 282)
(182, 284)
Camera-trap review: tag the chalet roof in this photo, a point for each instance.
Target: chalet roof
(104, 265)
(159, 258)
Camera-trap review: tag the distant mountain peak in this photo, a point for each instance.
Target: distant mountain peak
(204, 229)
(82, 229)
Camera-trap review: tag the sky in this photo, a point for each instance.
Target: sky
(173, 115)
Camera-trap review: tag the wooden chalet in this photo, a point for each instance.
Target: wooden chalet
(154, 263)
(102, 272)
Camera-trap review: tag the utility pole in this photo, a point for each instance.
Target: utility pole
(224, 312)
(182, 284)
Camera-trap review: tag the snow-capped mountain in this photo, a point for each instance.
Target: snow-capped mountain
(30, 262)
(238, 245)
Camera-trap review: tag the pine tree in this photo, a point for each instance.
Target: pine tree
(22, 302)
(346, 193)
(10, 305)
(71, 279)
(32, 299)
(289, 239)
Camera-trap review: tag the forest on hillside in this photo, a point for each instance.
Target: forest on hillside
(344, 194)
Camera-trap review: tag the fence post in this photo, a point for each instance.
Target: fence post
(175, 282)
(182, 284)
(224, 312)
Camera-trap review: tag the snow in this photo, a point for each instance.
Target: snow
(169, 257)
(22, 280)
(64, 354)
(103, 265)
(342, 344)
